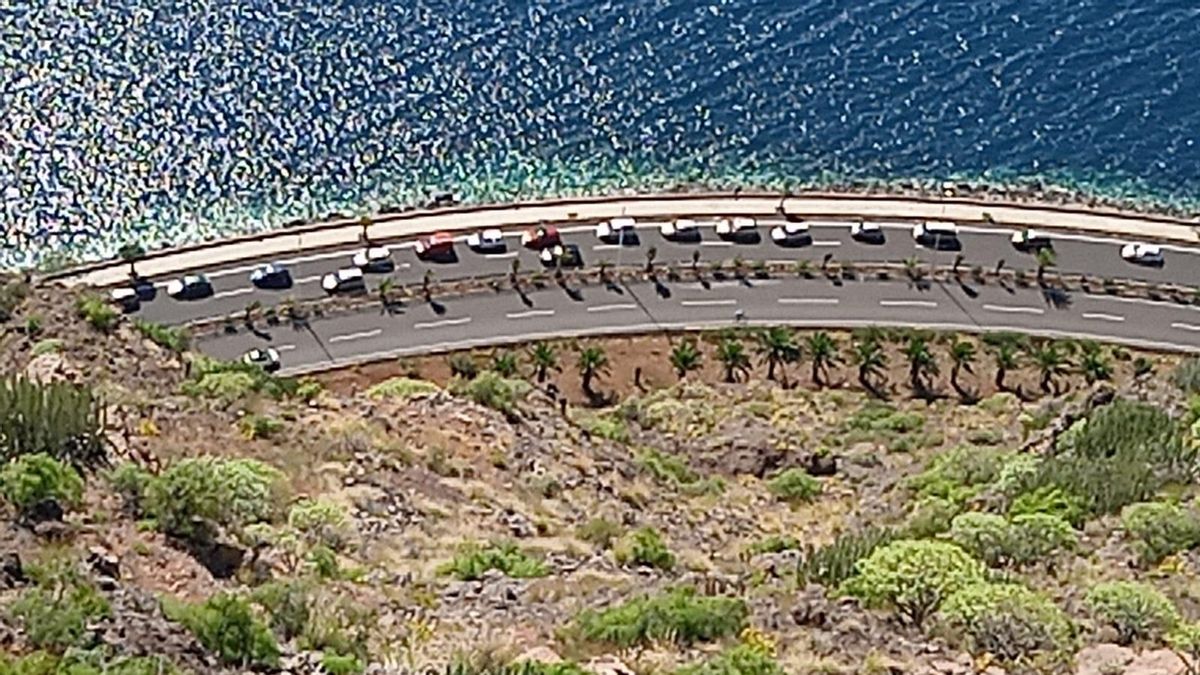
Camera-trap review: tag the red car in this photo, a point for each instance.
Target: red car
(538, 238)
(439, 243)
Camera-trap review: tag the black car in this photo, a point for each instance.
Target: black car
(271, 275)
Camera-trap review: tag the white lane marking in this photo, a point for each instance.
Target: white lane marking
(1100, 316)
(1186, 326)
(356, 336)
(708, 303)
(285, 348)
(1013, 309)
(531, 313)
(808, 301)
(612, 308)
(929, 304)
(1140, 301)
(508, 254)
(308, 280)
(236, 291)
(608, 247)
(716, 243)
(827, 243)
(440, 324)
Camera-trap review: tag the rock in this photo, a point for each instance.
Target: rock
(742, 457)
(820, 464)
(949, 667)
(221, 559)
(53, 530)
(1156, 662)
(12, 572)
(1101, 659)
(541, 655)
(104, 563)
(607, 665)
(812, 608)
(44, 511)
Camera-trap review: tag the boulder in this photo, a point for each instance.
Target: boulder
(12, 572)
(1102, 659)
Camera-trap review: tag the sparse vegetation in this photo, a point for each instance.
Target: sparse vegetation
(98, 313)
(794, 486)
(1008, 621)
(168, 337)
(473, 560)
(1160, 529)
(195, 497)
(913, 577)
(226, 625)
(401, 388)
(678, 615)
(1137, 611)
(57, 609)
(494, 391)
(644, 547)
(30, 480)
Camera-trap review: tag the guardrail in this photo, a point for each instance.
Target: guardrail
(386, 227)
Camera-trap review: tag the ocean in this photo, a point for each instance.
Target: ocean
(169, 121)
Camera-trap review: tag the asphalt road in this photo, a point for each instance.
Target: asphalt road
(552, 312)
(1094, 255)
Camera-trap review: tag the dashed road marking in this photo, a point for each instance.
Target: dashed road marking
(1014, 309)
(709, 303)
(808, 301)
(356, 336)
(530, 314)
(285, 348)
(307, 280)
(439, 324)
(1100, 316)
(716, 243)
(612, 308)
(236, 291)
(928, 304)
(1186, 326)
(827, 243)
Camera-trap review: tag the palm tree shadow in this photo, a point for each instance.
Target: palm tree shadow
(662, 289)
(968, 290)
(525, 299)
(574, 294)
(613, 287)
(437, 307)
(1056, 297)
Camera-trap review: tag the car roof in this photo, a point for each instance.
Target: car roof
(194, 279)
(349, 273)
(623, 222)
(378, 252)
(492, 232)
(121, 293)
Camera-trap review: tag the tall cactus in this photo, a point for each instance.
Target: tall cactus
(59, 419)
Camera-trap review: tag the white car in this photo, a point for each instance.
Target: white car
(267, 359)
(868, 232)
(373, 259)
(345, 280)
(934, 234)
(488, 240)
(1142, 254)
(613, 230)
(728, 228)
(127, 299)
(679, 229)
(1030, 240)
(190, 287)
(790, 234)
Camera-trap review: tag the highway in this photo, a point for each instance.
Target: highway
(498, 318)
(1096, 255)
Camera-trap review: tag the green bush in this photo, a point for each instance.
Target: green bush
(794, 486)
(1137, 611)
(984, 535)
(59, 419)
(226, 625)
(876, 416)
(288, 604)
(81, 662)
(913, 577)
(490, 389)
(228, 381)
(1023, 540)
(463, 366)
(644, 547)
(56, 611)
(739, 660)
(599, 532)
(678, 615)
(929, 517)
(193, 496)
(130, 481)
(675, 472)
(1008, 621)
(47, 346)
(12, 294)
(1037, 536)
(473, 560)
(1052, 501)
(774, 544)
(338, 664)
(835, 562)
(1187, 376)
(31, 479)
(1159, 529)
(402, 388)
(960, 474)
(607, 426)
(320, 522)
(93, 309)
(175, 339)
(254, 426)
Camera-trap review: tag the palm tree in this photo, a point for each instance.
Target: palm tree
(739, 267)
(602, 267)
(544, 358)
(426, 280)
(386, 286)
(922, 365)
(593, 363)
(364, 222)
(871, 361)
(962, 357)
(1051, 362)
(732, 355)
(1007, 357)
(1045, 258)
(912, 267)
(1094, 363)
(685, 358)
(505, 363)
(696, 263)
(131, 253)
(823, 351)
(777, 347)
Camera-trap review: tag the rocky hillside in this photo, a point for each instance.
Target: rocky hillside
(884, 504)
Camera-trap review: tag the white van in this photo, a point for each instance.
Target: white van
(935, 234)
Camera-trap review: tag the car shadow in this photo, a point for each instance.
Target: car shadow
(449, 257)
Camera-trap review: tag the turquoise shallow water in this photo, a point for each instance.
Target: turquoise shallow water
(175, 120)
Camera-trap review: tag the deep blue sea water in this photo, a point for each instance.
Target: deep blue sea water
(175, 120)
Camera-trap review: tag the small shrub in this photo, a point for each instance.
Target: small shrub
(774, 544)
(1008, 621)
(984, 535)
(1137, 611)
(30, 479)
(678, 615)
(491, 390)
(1187, 376)
(308, 389)
(913, 577)
(473, 560)
(55, 612)
(338, 664)
(1052, 501)
(98, 313)
(402, 388)
(130, 480)
(1159, 529)
(464, 366)
(47, 346)
(644, 547)
(225, 624)
(882, 417)
(59, 419)
(929, 517)
(794, 486)
(228, 381)
(288, 604)
(319, 522)
(738, 660)
(599, 532)
(1036, 536)
(835, 562)
(254, 426)
(610, 427)
(675, 472)
(959, 474)
(194, 495)
(167, 337)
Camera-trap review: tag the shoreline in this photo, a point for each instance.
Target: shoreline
(1028, 192)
